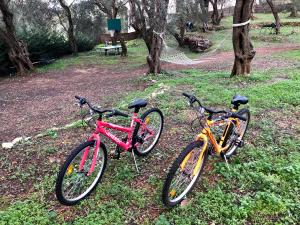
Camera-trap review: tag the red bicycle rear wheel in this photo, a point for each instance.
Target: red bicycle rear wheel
(146, 142)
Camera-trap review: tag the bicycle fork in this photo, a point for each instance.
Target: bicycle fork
(96, 138)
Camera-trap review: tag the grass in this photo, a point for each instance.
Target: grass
(261, 187)
(221, 42)
(136, 57)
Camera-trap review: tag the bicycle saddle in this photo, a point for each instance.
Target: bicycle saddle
(238, 99)
(137, 104)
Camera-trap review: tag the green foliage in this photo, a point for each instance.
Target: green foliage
(44, 45)
(84, 42)
(108, 213)
(52, 133)
(26, 213)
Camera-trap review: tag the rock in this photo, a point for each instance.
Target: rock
(7, 145)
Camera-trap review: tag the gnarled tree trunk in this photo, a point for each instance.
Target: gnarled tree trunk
(18, 53)
(275, 14)
(153, 58)
(294, 12)
(180, 36)
(70, 30)
(149, 18)
(243, 48)
(215, 17)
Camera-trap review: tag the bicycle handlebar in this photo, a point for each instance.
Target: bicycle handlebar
(113, 112)
(193, 99)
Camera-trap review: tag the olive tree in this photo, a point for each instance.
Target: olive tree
(17, 49)
(149, 18)
(243, 48)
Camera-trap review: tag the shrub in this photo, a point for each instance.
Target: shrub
(84, 42)
(43, 45)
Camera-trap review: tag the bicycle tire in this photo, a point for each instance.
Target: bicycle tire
(137, 151)
(231, 151)
(59, 181)
(175, 166)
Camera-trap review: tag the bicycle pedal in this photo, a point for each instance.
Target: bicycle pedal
(239, 143)
(115, 155)
(211, 152)
(140, 140)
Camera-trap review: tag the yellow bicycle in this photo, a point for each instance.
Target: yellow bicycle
(187, 168)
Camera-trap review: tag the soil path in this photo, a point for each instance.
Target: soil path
(34, 103)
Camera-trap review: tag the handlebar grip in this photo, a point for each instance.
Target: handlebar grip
(118, 113)
(82, 101)
(186, 95)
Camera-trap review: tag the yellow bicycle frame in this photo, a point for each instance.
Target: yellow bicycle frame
(207, 135)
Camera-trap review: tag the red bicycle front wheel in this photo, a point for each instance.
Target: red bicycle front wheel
(73, 183)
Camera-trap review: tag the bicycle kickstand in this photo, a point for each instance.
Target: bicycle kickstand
(135, 163)
(226, 161)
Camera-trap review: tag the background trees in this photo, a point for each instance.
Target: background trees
(216, 16)
(70, 25)
(149, 18)
(17, 49)
(243, 48)
(295, 7)
(37, 26)
(110, 7)
(275, 14)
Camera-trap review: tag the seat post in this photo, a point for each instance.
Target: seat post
(235, 107)
(136, 109)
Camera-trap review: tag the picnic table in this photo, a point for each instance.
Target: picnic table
(107, 49)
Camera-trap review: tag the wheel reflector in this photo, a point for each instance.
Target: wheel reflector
(147, 120)
(70, 169)
(172, 193)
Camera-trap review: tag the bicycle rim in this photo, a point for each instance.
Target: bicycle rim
(237, 133)
(76, 184)
(183, 180)
(154, 123)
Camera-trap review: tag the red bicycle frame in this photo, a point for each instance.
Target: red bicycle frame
(100, 129)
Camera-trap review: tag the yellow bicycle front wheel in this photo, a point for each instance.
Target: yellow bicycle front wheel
(184, 173)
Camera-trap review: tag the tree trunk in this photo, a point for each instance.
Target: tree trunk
(215, 18)
(294, 12)
(243, 48)
(275, 14)
(180, 37)
(153, 58)
(71, 35)
(18, 53)
(72, 40)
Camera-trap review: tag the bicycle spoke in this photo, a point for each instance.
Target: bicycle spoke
(77, 182)
(184, 177)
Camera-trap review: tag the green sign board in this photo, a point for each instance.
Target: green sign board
(114, 24)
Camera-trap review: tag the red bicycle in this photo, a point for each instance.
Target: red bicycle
(84, 167)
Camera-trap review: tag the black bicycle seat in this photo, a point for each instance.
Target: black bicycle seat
(238, 99)
(137, 104)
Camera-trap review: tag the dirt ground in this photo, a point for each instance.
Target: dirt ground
(34, 103)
